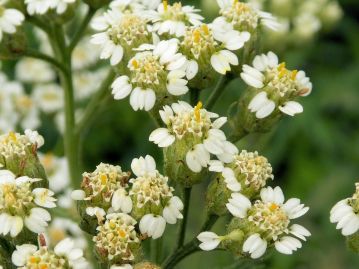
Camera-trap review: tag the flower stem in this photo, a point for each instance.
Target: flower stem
(38, 55)
(70, 138)
(194, 96)
(182, 231)
(217, 91)
(189, 248)
(81, 30)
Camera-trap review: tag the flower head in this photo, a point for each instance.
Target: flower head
(64, 256)
(153, 199)
(49, 97)
(119, 34)
(275, 86)
(346, 214)
(193, 128)
(248, 172)
(154, 72)
(21, 204)
(173, 19)
(244, 16)
(117, 240)
(211, 45)
(104, 187)
(9, 19)
(268, 221)
(15, 144)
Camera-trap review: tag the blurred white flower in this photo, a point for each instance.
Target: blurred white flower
(49, 97)
(31, 70)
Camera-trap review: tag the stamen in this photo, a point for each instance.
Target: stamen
(273, 207)
(103, 178)
(281, 66)
(165, 5)
(294, 74)
(197, 111)
(12, 136)
(135, 63)
(205, 29)
(196, 36)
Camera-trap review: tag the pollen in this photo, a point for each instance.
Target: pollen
(135, 63)
(34, 259)
(196, 36)
(197, 111)
(12, 137)
(205, 29)
(103, 178)
(122, 233)
(273, 207)
(43, 266)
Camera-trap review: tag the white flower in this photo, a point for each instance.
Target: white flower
(18, 204)
(124, 266)
(276, 86)
(118, 227)
(44, 197)
(156, 70)
(119, 34)
(172, 211)
(122, 202)
(64, 252)
(212, 45)
(49, 97)
(86, 83)
(35, 138)
(85, 54)
(173, 19)
(209, 240)
(100, 213)
(152, 226)
(245, 16)
(195, 126)
(255, 246)
(345, 214)
(34, 71)
(270, 218)
(9, 19)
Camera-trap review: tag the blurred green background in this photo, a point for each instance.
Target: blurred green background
(315, 155)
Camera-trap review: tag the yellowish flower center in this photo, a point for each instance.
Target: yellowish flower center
(197, 111)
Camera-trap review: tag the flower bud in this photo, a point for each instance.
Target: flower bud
(247, 173)
(18, 153)
(100, 190)
(117, 241)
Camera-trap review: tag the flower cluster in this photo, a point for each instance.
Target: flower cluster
(192, 136)
(346, 214)
(248, 173)
(40, 7)
(261, 224)
(22, 204)
(274, 86)
(63, 256)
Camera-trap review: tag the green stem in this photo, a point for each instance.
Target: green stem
(95, 102)
(182, 231)
(70, 138)
(81, 30)
(235, 137)
(189, 248)
(217, 91)
(38, 55)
